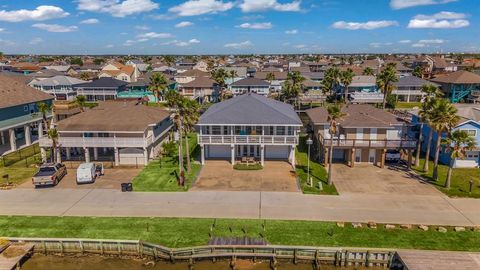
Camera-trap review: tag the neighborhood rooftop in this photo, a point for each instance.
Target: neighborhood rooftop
(250, 109)
(14, 91)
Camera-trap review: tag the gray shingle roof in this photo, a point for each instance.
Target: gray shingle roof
(250, 109)
(412, 81)
(251, 82)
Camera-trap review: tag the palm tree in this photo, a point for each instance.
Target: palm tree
(385, 81)
(418, 72)
(346, 79)
(431, 93)
(457, 142)
(169, 59)
(84, 76)
(331, 79)
(81, 100)
(189, 113)
(442, 119)
(292, 86)
(44, 108)
(52, 134)
(220, 76)
(158, 85)
(368, 71)
(270, 77)
(334, 114)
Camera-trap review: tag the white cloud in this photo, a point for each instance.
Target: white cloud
(4, 42)
(179, 43)
(399, 4)
(427, 42)
(441, 20)
(57, 28)
(370, 25)
(200, 7)
(142, 27)
(300, 46)
(2, 30)
(129, 42)
(264, 5)
(117, 8)
(90, 21)
(41, 13)
(151, 35)
(183, 24)
(109, 46)
(291, 32)
(266, 25)
(405, 41)
(35, 41)
(239, 45)
(380, 44)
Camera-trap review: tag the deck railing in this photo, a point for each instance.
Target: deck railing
(369, 143)
(97, 142)
(248, 139)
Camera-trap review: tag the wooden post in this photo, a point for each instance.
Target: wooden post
(382, 161)
(44, 247)
(325, 159)
(409, 162)
(352, 158)
(82, 250)
(61, 247)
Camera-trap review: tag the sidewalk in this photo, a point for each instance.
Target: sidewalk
(414, 209)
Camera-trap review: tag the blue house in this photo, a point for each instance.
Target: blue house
(469, 122)
(20, 121)
(459, 85)
(362, 89)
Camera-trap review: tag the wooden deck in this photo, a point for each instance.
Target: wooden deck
(20, 250)
(439, 260)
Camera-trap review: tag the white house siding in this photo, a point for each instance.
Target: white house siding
(277, 151)
(131, 156)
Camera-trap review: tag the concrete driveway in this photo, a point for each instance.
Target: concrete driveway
(219, 175)
(110, 180)
(369, 179)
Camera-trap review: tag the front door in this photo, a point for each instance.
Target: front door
(371, 156)
(358, 155)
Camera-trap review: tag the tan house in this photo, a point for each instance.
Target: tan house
(190, 75)
(202, 89)
(120, 72)
(364, 135)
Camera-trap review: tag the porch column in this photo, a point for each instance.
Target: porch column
(292, 154)
(87, 154)
(382, 158)
(69, 154)
(352, 158)
(262, 154)
(145, 156)
(43, 154)
(409, 161)
(95, 153)
(28, 135)
(117, 156)
(233, 153)
(58, 154)
(13, 139)
(40, 129)
(202, 154)
(2, 138)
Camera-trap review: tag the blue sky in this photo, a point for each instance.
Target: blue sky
(238, 26)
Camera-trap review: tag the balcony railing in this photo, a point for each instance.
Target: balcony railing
(97, 142)
(366, 143)
(248, 139)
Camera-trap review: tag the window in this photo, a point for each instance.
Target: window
(25, 108)
(237, 130)
(471, 132)
(280, 131)
(216, 130)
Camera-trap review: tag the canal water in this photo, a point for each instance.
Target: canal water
(42, 262)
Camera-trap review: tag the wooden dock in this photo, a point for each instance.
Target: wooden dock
(439, 260)
(12, 256)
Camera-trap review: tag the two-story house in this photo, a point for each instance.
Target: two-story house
(458, 85)
(105, 88)
(409, 88)
(250, 85)
(61, 87)
(20, 121)
(249, 125)
(364, 135)
(119, 71)
(202, 89)
(363, 89)
(127, 133)
(469, 122)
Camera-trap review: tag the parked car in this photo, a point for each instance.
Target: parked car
(88, 172)
(392, 156)
(49, 174)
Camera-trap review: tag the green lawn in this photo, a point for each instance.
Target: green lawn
(21, 165)
(161, 175)
(317, 172)
(460, 180)
(175, 232)
(407, 105)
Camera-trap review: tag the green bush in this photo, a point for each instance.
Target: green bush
(246, 167)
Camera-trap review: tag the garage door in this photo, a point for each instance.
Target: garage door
(131, 156)
(338, 154)
(219, 151)
(277, 152)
